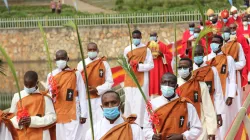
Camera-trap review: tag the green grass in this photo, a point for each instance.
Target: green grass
(36, 11)
(161, 5)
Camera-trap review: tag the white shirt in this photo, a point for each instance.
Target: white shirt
(36, 121)
(80, 86)
(218, 93)
(103, 126)
(208, 116)
(231, 78)
(108, 75)
(193, 120)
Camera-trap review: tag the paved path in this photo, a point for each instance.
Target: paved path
(85, 7)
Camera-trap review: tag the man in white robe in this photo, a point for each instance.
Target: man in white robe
(111, 104)
(134, 102)
(239, 64)
(30, 87)
(207, 112)
(100, 89)
(218, 98)
(195, 128)
(230, 89)
(71, 130)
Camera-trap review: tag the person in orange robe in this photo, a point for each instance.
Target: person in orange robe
(113, 126)
(186, 35)
(162, 58)
(236, 18)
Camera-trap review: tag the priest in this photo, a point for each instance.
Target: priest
(186, 35)
(162, 63)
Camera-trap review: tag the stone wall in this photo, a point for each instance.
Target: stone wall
(27, 44)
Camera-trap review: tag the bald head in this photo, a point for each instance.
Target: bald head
(233, 28)
(197, 30)
(226, 29)
(61, 55)
(191, 25)
(92, 47)
(199, 51)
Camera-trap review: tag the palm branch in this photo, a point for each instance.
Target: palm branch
(2, 69)
(73, 25)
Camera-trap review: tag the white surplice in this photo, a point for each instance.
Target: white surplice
(193, 119)
(97, 112)
(239, 65)
(219, 103)
(134, 102)
(208, 116)
(36, 121)
(4, 132)
(103, 126)
(73, 130)
(231, 86)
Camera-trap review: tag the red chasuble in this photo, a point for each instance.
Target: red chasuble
(238, 21)
(159, 69)
(185, 37)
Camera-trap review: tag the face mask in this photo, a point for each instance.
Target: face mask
(153, 38)
(233, 33)
(196, 35)
(184, 73)
(61, 64)
(191, 29)
(225, 20)
(92, 55)
(226, 36)
(111, 113)
(235, 15)
(214, 21)
(30, 90)
(136, 41)
(167, 91)
(198, 59)
(214, 46)
(245, 23)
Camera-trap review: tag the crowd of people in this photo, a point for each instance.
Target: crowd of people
(199, 102)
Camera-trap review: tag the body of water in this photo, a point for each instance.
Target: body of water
(7, 83)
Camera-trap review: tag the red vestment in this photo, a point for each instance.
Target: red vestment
(241, 31)
(185, 37)
(238, 21)
(159, 69)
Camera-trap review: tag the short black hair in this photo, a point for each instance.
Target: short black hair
(171, 74)
(187, 59)
(136, 32)
(219, 36)
(31, 76)
(112, 91)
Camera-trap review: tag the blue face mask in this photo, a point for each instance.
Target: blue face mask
(136, 41)
(214, 46)
(30, 90)
(153, 38)
(191, 28)
(198, 59)
(225, 20)
(226, 36)
(196, 35)
(167, 91)
(111, 113)
(233, 33)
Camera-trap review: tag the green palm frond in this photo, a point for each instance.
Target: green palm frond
(13, 70)
(130, 36)
(202, 34)
(46, 46)
(2, 69)
(73, 25)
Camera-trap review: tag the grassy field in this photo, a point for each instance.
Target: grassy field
(36, 11)
(160, 5)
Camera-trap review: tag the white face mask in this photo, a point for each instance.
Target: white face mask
(235, 15)
(92, 55)
(184, 73)
(61, 64)
(30, 90)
